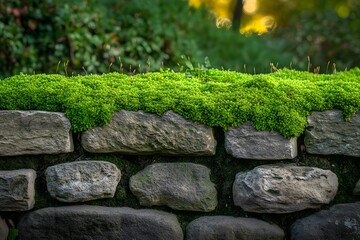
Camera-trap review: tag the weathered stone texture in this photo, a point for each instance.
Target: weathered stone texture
(328, 133)
(17, 190)
(100, 223)
(144, 133)
(82, 180)
(283, 188)
(34, 132)
(246, 142)
(181, 186)
(4, 229)
(341, 221)
(230, 228)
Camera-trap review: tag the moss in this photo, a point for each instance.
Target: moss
(279, 101)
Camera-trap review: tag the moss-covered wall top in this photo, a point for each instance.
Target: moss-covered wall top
(279, 101)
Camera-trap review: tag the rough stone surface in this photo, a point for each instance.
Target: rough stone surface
(328, 133)
(356, 190)
(341, 221)
(230, 228)
(4, 229)
(283, 188)
(34, 132)
(144, 133)
(246, 142)
(17, 190)
(82, 180)
(100, 223)
(181, 186)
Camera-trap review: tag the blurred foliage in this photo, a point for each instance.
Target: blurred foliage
(279, 101)
(91, 36)
(326, 31)
(325, 37)
(81, 37)
(88, 36)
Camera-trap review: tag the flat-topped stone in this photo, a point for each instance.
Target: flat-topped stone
(328, 133)
(246, 142)
(181, 186)
(100, 223)
(231, 228)
(283, 188)
(341, 221)
(82, 181)
(144, 133)
(34, 132)
(17, 190)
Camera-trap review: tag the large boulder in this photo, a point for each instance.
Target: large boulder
(34, 132)
(283, 188)
(230, 228)
(181, 186)
(100, 223)
(328, 133)
(246, 142)
(17, 190)
(82, 180)
(341, 221)
(144, 133)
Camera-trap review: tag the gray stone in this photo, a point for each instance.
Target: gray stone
(328, 133)
(17, 190)
(341, 221)
(4, 229)
(283, 188)
(356, 190)
(144, 133)
(246, 142)
(34, 132)
(181, 186)
(100, 223)
(82, 180)
(230, 228)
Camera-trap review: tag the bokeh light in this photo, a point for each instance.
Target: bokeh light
(250, 6)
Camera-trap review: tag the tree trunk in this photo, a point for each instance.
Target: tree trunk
(238, 10)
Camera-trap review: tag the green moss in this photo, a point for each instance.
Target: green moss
(279, 101)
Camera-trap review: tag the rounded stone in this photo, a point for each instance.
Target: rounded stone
(82, 180)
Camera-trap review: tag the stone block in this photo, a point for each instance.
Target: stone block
(283, 188)
(17, 190)
(34, 132)
(144, 133)
(341, 221)
(356, 190)
(82, 180)
(181, 186)
(328, 133)
(101, 223)
(4, 229)
(231, 228)
(248, 143)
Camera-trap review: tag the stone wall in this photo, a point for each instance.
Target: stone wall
(144, 176)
